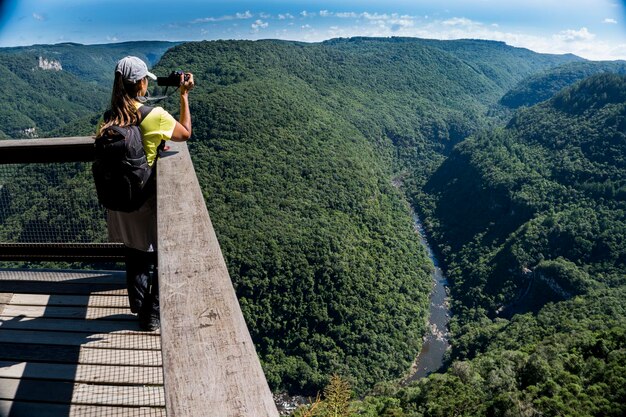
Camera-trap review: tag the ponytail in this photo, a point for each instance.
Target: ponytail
(123, 111)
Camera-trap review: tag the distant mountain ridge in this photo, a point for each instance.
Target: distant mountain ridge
(45, 87)
(542, 86)
(94, 63)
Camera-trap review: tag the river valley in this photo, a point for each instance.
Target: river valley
(430, 358)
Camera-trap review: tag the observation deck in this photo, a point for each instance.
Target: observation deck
(69, 345)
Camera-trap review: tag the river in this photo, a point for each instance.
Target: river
(430, 358)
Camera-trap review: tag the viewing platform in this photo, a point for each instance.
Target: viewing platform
(69, 345)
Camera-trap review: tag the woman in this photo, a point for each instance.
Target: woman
(137, 229)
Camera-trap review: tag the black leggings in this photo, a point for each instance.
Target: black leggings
(141, 280)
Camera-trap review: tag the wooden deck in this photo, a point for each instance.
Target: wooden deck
(69, 346)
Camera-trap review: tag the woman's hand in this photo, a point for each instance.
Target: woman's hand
(182, 130)
(185, 86)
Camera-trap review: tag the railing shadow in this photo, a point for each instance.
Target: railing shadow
(40, 351)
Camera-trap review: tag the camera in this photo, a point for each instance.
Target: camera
(172, 80)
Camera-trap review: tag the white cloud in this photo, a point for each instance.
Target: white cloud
(571, 35)
(236, 16)
(264, 15)
(345, 15)
(305, 27)
(393, 21)
(112, 38)
(460, 21)
(245, 15)
(259, 24)
(285, 16)
(374, 16)
(304, 13)
(39, 17)
(609, 20)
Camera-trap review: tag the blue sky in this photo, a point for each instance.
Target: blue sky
(594, 29)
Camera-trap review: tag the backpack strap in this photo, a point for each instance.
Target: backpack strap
(118, 129)
(144, 111)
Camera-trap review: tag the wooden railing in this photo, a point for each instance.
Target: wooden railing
(48, 151)
(210, 364)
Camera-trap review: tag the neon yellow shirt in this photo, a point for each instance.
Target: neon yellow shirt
(156, 127)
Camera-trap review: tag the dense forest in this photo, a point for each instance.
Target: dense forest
(59, 89)
(307, 153)
(531, 219)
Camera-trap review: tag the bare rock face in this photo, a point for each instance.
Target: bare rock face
(51, 64)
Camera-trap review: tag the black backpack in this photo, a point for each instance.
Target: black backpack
(123, 178)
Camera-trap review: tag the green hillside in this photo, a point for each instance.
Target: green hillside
(532, 222)
(38, 101)
(93, 63)
(544, 85)
(296, 146)
(499, 62)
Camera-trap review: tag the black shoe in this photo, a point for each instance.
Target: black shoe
(149, 321)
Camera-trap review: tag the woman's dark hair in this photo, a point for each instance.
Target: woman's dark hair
(123, 111)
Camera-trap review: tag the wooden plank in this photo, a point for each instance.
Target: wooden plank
(19, 352)
(78, 393)
(5, 298)
(101, 374)
(71, 325)
(86, 277)
(45, 142)
(19, 408)
(149, 341)
(63, 282)
(70, 300)
(60, 288)
(108, 313)
(210, 364)
(70, 149)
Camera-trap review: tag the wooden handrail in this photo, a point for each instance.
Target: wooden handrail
(54, 150)
(47, 150)
(209, 361)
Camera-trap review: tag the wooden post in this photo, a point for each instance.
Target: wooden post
(210, 364)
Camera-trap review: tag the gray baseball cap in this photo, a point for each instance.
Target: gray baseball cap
(133, 69)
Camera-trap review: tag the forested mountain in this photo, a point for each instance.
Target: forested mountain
(297, 146)
(532, 221)
(93, 64)
(45, 87)
(542, 86)
(499, 62)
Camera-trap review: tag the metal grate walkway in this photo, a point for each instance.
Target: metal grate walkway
(69, 346)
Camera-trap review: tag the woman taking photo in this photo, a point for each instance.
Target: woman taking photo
(138, 229)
